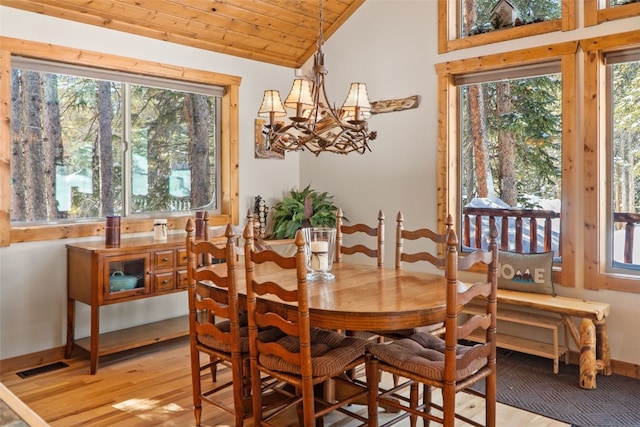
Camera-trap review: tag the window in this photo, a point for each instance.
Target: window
(87, 143)
(484, 16)
(529, 102)
(463, 24)
(623, 132)
(612, 180)
(122, 78)
(510, 151)
(599, 11)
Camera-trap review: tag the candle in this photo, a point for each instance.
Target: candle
(319, 246)
(319, 255)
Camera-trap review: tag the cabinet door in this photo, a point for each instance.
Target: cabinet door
(126, 276)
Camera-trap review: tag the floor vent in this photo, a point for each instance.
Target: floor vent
(42, 369)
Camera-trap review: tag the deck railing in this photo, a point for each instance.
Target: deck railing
(630, 221)
(514, 224)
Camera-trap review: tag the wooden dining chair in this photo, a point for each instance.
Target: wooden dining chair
(220, 341)
(426, 244)
(424, 236)
(217, 326)
(356, 230)
(306, 356)
(447, 364)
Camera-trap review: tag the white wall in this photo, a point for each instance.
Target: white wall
(389, 44)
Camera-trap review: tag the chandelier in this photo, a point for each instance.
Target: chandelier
(316, 126)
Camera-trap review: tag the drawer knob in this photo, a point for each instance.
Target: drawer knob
(165, 259)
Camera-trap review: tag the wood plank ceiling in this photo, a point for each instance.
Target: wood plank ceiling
(282, 32)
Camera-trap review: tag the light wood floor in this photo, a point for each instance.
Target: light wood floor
(152, 387)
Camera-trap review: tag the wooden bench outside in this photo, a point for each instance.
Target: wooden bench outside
(591, 338)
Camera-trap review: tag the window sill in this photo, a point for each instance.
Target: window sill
(504, 35)
(96, 228)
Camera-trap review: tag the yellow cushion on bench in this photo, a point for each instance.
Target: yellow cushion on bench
(526, 272)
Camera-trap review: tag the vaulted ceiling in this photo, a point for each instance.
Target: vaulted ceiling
(282, 32)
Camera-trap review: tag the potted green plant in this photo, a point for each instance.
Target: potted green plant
(289, 214)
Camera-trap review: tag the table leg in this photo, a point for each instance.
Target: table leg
(588, 368)
(95, 337)
(71, 318)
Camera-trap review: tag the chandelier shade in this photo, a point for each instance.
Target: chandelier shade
(300, 94)
(272, 105)
(316, 126)
(357, 105)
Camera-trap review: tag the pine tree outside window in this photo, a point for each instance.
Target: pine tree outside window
(546, 133)
(87, 143)
(511, 149)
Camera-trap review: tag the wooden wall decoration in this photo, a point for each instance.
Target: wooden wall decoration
(391, 105)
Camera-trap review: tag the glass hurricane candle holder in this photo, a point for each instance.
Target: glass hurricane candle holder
(320, 245)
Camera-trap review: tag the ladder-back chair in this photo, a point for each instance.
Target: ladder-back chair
(306, 356)
(446, 363)
(422, 238)
(354, 229)
(214, 325)
(218, 328)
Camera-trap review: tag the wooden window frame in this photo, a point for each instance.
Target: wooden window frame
(596, 13)
(595, 163)
(448, 27)
(448, 178)
(229, 155)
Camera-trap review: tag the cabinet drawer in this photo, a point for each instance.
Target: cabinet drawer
(183, 282)
(163, 259)
(181, 257)
(164, 281)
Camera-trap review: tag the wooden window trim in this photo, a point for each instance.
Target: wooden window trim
(229, 154)
(595, 158)
(594, 14)
(448, 27)
(448, 150)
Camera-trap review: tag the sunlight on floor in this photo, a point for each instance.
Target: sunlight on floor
(148, 409)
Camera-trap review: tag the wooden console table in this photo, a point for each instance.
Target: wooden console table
(160, 268)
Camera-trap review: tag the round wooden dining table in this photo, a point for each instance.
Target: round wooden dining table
(363, 297)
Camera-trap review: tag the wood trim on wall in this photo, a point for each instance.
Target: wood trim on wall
(571, 207)
(229, 184)
(5, 151)
(448, 152)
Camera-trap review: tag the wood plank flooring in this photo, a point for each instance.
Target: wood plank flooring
(151, 386)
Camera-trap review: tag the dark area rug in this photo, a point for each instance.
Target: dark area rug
(528, 382)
